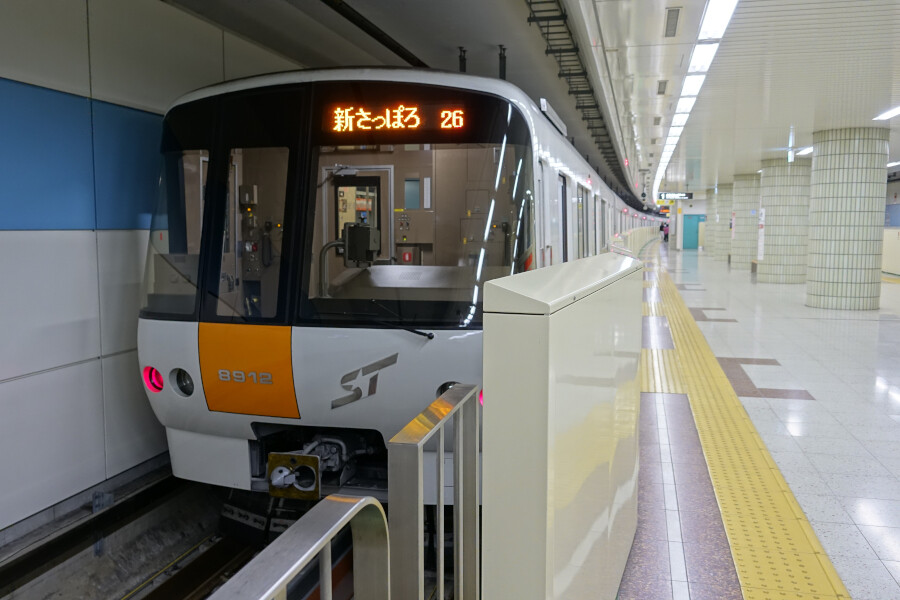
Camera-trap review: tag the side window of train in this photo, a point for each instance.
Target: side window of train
(253, 232)
(581, 238)
(564, 216)
(173, 263)
(171, 276)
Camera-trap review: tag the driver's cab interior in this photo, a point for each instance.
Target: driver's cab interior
(441, 217)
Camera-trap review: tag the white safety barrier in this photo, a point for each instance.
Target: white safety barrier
(635, 239)
(561, 398)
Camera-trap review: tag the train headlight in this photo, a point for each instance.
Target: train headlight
(183, 382)
(153, 379)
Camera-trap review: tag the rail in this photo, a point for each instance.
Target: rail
(268, 575)
(406, 495)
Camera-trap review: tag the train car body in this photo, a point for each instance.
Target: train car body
(317, 260)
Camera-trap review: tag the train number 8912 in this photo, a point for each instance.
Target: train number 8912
(242, 377)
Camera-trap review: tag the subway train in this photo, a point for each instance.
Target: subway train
(316, 263)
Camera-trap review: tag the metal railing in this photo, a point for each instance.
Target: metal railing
(268, 575)
(406, 496)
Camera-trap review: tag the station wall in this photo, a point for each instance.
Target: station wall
(83, 86)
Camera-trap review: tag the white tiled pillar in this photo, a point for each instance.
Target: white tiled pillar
(746, 220)
(709, 246)
(846, 218)
(723, 229)
(784, 194)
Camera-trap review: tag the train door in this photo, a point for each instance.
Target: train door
(562, 200)
(357, 199)
(597, 226)
(352, 193)
(603, 221)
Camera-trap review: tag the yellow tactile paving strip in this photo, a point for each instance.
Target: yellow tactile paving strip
(775, 551)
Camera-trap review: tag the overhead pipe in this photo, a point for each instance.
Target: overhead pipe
(346, 11)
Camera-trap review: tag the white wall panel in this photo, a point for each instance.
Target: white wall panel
(121, 256)
(50, 308)
(243, 59)
(45, 43)
(133, 434)
(51, 438)
(145, 53)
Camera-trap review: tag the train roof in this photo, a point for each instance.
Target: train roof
(498, 87)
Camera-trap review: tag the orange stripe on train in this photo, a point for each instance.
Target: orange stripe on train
(246, 369)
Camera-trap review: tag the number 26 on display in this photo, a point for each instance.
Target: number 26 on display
(241, 377)
(451, 119)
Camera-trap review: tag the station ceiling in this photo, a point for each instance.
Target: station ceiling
(783, 69)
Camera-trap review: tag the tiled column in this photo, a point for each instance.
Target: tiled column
(784, 193)
(723, 231)
(846, 218)
(709, 246)
(746, 220)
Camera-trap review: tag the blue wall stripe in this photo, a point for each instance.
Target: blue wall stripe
(45, 150)
(126, 165)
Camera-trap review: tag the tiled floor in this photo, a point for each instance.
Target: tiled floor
(824, 394)
(680, 549)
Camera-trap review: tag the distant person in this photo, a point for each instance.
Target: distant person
(661, 227)
(666, 232)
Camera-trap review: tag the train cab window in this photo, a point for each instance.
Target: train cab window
(441, 196)
(171, 274)
(252, 232)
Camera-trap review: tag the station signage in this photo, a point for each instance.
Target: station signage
(676, 196)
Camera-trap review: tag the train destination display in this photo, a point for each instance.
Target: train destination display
(352, 118)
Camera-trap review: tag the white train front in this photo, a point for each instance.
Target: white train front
(317, 259)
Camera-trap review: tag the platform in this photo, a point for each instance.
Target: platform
(769, 440)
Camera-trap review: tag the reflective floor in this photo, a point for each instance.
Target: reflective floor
(822, 388)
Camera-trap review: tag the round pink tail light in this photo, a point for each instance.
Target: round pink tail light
(153, 379)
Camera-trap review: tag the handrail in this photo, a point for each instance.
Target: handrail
(267, 576)
(406, 495)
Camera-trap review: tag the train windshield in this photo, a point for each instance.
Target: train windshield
(436, 181)
(339, 203)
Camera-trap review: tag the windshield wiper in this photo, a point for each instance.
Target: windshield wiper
(372, 318)
(427, 334)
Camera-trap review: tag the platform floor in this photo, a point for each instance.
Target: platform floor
(770, 440)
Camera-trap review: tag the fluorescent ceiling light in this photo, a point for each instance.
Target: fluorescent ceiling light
(893, 164)
(888, 115)
(702, 57)
(685, 105)
(675, 131)
(679, 120)
(804, 151)
(692, 85)
(715, 19)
